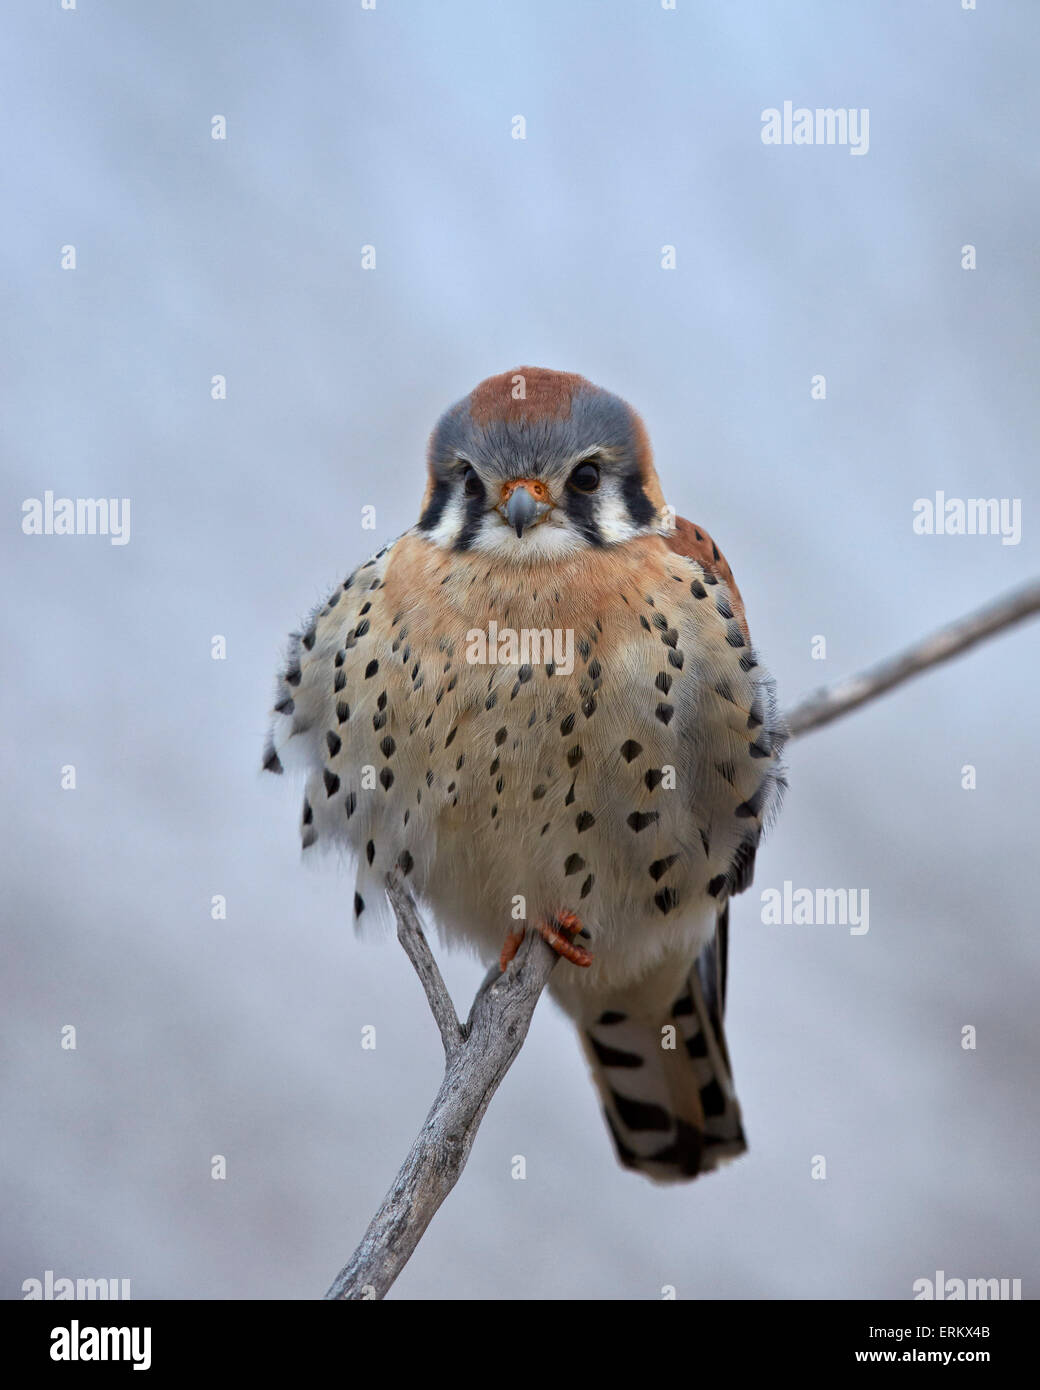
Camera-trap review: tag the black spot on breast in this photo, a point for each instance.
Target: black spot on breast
(752, 806)
(670, 638)
(588, 707)
(572, 864)
(567, 725)
(716, 885)
(293, 677)
(676, 659)
(370, 851)
(585, 820)
(308, 812)
(660, 867)
(342, 711)
(722, 605)
(387, 779)
(405, 862)
(451, 737)
(734, 636)
(698, 590)
(350, 804)
(663, 682)
(575, 756)
(639, 820)
(538, 792)
(371, 669)
(362, 628)
(630, 749)
(664, 713)
(388, 746)
(335, 743)
(653, 778)
(359, 904)
(331, 782)
(272, 762)
(286, 706)
(586, 887)
(339, 682)
(666, 899)
(611, 1016)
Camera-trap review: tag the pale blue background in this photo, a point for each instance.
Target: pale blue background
(243, 258)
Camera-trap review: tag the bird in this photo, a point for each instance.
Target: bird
(540, 707)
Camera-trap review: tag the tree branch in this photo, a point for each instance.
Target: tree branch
(476, 1061)
(479, 1053)
(833, 701)
(410, 935)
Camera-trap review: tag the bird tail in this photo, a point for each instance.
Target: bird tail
(666, 1085)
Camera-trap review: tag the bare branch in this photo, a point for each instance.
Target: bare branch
(474, 1068)
(411, 936)
(835, 700)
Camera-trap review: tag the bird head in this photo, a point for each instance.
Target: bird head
(535, 465)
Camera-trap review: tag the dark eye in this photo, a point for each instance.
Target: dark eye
(471, 484)
(585, 477)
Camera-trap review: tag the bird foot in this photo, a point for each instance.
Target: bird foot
(559, 933)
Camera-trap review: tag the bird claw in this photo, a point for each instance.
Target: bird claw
(553, 933)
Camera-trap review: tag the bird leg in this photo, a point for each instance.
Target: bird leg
(559, 933)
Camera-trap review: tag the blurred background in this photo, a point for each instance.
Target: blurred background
(393, 128)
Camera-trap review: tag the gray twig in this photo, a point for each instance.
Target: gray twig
(479, 1053)
(477, 1057)
(835, 700)
(411, 936)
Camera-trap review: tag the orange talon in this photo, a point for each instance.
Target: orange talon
(553, 933)
(562, 945)
(512, 945)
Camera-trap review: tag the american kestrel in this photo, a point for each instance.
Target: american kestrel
(541, 706)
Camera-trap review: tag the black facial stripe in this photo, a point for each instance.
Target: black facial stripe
(435, 507)
(581, 509)
(639, 507)
(475, 509)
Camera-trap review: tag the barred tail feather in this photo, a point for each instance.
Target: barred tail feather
(672, 1110)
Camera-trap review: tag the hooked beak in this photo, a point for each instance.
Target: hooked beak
(524, 503)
